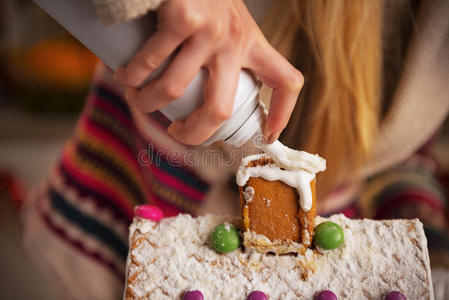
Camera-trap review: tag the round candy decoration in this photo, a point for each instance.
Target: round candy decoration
(326, 295)
(148, 212)
(225, 238)
(328, 236)
(193, 295)
(257, 295)
(395, 295)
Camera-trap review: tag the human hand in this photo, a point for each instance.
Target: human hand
(221, 36)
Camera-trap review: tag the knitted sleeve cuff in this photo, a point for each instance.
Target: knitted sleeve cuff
(114, 11)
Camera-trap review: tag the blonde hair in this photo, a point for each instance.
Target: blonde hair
(337, 46)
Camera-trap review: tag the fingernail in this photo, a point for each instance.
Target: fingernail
(266, 138)
(171, 129)
(266, 133)
(271, 138)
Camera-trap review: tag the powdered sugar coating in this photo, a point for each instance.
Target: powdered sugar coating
(172, 256)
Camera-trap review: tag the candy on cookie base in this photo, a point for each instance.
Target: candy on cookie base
(173, 256)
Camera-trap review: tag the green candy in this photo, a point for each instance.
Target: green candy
(225, 238)
(328, 236)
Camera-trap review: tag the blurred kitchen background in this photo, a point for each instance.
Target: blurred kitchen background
(44, 77)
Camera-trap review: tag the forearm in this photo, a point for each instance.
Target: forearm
(113, 11)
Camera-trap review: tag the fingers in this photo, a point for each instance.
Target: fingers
(176, 23)
(226, 33)
(275, 71)
(173, 82)
(219, 93)
(158, 47)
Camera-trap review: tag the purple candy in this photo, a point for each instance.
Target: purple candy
(395, 295)
(193, 295)
(257, 295)
(326, 295)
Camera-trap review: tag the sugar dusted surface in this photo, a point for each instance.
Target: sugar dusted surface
(173, 256)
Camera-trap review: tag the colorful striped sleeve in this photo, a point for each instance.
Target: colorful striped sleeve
(84, 207)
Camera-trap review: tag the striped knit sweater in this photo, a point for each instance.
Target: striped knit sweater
(84, 207)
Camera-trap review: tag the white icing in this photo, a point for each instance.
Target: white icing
(294, 168)
(227, 227)
(248, 193)
(299, 179)
(321, 250)
(291, 159)
(306, 234)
